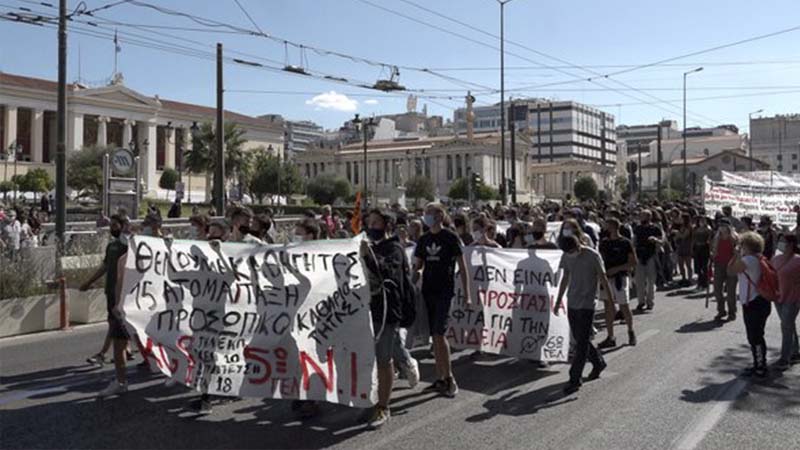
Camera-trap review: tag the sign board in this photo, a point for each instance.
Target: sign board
(122, 161)
(122, 185)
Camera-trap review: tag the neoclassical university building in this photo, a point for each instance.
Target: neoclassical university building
(114, 115)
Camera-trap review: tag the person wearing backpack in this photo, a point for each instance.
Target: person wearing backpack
(757, 281)
(787, 263)
(387, 266)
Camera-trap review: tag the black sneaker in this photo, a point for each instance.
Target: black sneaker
(609, 342)
(596, 371)
(571, 388)
(761, 372)
(720, 317)
(732, 317)
(438, 386)
(640, 308)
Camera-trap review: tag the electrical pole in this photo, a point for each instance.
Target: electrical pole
(61, 132)
(658, 163)
(219, 172)
(511, 128)
(502, 107)
(685, 186)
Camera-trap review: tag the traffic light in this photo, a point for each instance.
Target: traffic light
(475, 180)
(512, 187)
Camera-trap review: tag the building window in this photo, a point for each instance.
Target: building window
(355, 173)
(377, 172)
(794, 167)
(780, 157)
(395, 166)
(794, 157)
(322, 167)
(349, 172)
(418, 166)
(459, 172)
(315, 169)
(308, 171)
(427, 167)
(449, 167)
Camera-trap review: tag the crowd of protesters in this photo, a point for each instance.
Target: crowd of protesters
(613, 252)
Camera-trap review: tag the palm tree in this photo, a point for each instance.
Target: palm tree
(202, 159)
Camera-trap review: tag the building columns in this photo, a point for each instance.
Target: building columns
(127, 133)
(147, 154)
(75, 132)
(102, 132)
(10, 127)
(37, 135)
(169, 148)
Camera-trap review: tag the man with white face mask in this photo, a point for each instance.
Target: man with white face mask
(305, 230)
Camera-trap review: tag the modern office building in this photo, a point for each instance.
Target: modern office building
(301, 136)
(776, 140)
(638, 137)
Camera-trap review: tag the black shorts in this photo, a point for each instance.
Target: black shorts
(116, 328)
(438, 305)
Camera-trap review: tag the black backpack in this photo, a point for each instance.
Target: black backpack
(408, 297)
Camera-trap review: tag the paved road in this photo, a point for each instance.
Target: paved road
(677, 389)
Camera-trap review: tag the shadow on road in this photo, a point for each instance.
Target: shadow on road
(511, 404)
(700, 326)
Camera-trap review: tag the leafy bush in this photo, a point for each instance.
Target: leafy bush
(585, 188)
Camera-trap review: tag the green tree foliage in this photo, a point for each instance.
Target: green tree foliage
(85, 171)
(419, 187)
(36, 181)
(460, 190)
(327, 188)
(264, 178)
(169, 178)
(201, 157)
(585, 188)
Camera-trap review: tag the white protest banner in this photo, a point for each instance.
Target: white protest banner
(252, 320)
(552, 231)
(513, 293)
(755, 201)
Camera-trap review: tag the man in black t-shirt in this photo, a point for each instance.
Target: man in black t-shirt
(437, 253)
(648, 238)
(619, 260)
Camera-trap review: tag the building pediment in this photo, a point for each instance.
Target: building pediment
(116, 94)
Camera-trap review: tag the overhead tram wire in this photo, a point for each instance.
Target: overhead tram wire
(656, 105)
(718, 97)
(543, 54)
(249, 17)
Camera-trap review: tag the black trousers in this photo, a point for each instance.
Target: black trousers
(580, 324)
(755, 314)
(701, 265)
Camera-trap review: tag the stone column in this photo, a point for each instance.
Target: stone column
(10, 127)
(102, 132)
(147, 155)
(37, 135)
(127, 133)
(169, 149)
(74, 132)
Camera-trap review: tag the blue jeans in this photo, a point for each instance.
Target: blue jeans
(788, 315)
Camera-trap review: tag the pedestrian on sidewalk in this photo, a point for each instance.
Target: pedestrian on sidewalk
(746, 265)
(787, 263)
(583, 271)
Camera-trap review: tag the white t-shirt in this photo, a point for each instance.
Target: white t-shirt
(14, 230)
(748, 288)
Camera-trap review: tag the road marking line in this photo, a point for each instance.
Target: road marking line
(723, 401)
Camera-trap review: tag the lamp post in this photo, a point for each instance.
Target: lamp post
(502, 103)
(685, 74)
(750, 131)
(364, 125)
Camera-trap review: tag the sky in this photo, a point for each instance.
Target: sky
(552, 48)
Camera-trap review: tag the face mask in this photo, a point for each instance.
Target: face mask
(375, 234)
(477, 235)
(567, 232)
(537, 235)
(147, 231)
(782, 247)
(244, 229)
(429, 220)
(529, 239)
(116, 233)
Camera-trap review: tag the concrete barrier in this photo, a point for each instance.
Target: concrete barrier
(87, 307)
(29, 315)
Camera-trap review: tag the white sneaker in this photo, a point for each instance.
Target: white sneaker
(412, 373)
(114, 388)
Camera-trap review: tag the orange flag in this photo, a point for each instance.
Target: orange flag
(355, 223)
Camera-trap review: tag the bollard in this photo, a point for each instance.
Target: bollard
(62, 298)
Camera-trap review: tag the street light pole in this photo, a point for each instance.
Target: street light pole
(61, 132)
(750, 131)
(502, 104)
(685, 74)
(219, 173)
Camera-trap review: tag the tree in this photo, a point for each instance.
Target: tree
(85, 172)
(585, 188)
(201, 158)
(327, 188)
(36, 181)
(6, 187)
(419, 186)
(266, 170)
(168, 180)
(460, 190)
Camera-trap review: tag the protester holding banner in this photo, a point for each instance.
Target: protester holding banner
(539, 235)
(583, 272)
(436, 255)
(115, 250)
(788, 305)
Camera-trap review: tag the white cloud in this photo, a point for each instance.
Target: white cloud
(333, 100)
(371, 101)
